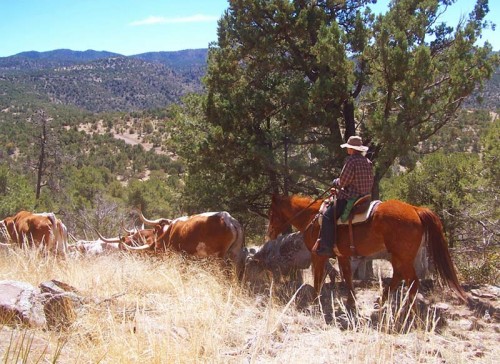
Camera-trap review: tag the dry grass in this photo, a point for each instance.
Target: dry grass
(176, 310)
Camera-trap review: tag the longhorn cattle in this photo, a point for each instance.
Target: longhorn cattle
(214, 234)
(283, 258)
(94, 247)
(40, 230)
(134, 238)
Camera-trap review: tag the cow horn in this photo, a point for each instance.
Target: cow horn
(142, 247)
(131, 231)
(108, 241)
(147, 221)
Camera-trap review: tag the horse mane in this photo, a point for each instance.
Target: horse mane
(305, 201)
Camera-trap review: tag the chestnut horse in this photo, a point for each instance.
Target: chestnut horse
(395, 226)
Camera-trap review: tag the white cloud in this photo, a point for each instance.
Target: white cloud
(198, 18)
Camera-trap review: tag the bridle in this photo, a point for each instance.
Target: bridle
(289, 221)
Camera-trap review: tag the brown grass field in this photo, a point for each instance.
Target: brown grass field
(140, 309)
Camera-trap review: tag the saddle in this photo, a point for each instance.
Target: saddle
(361, 210)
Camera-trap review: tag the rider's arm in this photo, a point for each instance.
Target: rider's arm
(346, 176)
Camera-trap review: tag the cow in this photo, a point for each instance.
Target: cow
(136, 237)
(41, 230)
(362, 267)
(93, 247)
(283, 259)
(210, 234)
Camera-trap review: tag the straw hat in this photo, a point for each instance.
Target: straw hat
(356, 143)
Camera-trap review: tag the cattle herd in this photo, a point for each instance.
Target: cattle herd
(211, 234)
(215, 234)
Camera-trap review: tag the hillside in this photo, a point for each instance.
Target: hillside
(104, 81)
(98, 81)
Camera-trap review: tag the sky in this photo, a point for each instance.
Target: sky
(132, 27)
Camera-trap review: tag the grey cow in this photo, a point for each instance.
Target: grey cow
(282, 259)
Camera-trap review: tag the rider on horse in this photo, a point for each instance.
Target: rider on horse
(355, 181)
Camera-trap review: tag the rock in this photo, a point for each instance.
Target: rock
(20, 303)
(60, 303)
(52, 306)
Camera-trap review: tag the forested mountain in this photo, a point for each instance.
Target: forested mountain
(99, 81)
(104, 81)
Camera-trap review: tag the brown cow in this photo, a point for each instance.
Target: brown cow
(41, 230)
(211, 234)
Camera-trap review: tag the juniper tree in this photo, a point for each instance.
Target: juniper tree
(289, 81)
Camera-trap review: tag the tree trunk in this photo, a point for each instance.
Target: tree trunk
(41, 158)
(350, 123)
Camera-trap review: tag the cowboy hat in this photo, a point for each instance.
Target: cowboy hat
(355, 143)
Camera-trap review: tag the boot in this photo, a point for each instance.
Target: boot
(324, 250)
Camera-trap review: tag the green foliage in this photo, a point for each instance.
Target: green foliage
(156, 196)
(287, 80)
(443, 182)
(479, 267)
(16, 192)
(491, 153)
(85, 184)
(416, 86)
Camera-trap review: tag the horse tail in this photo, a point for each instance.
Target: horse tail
(438, 250)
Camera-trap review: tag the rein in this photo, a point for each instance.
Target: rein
(305, 208)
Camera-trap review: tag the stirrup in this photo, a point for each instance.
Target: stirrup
(336, 250)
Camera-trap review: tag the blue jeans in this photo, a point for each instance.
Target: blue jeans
(327, 231)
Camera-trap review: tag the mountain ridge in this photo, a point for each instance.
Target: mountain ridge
(99, 81)
(89, 80)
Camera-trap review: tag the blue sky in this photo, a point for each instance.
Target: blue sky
(136, 26)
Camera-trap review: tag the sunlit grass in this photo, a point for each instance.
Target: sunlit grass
(178, 310)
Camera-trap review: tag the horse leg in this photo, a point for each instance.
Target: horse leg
(345, 268)
(319, 273)
(318, 266)
(411, 279)
(397, 276)
(402, 271)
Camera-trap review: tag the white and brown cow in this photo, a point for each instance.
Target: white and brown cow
(211, 234)
(40, 230)
(94, 247)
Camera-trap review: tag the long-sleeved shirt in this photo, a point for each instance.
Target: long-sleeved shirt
(356, 178)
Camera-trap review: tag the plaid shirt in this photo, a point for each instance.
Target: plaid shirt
(356, 178)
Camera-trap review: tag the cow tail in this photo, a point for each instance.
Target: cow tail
(235, 251)
(59, 233)
(54, 231)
